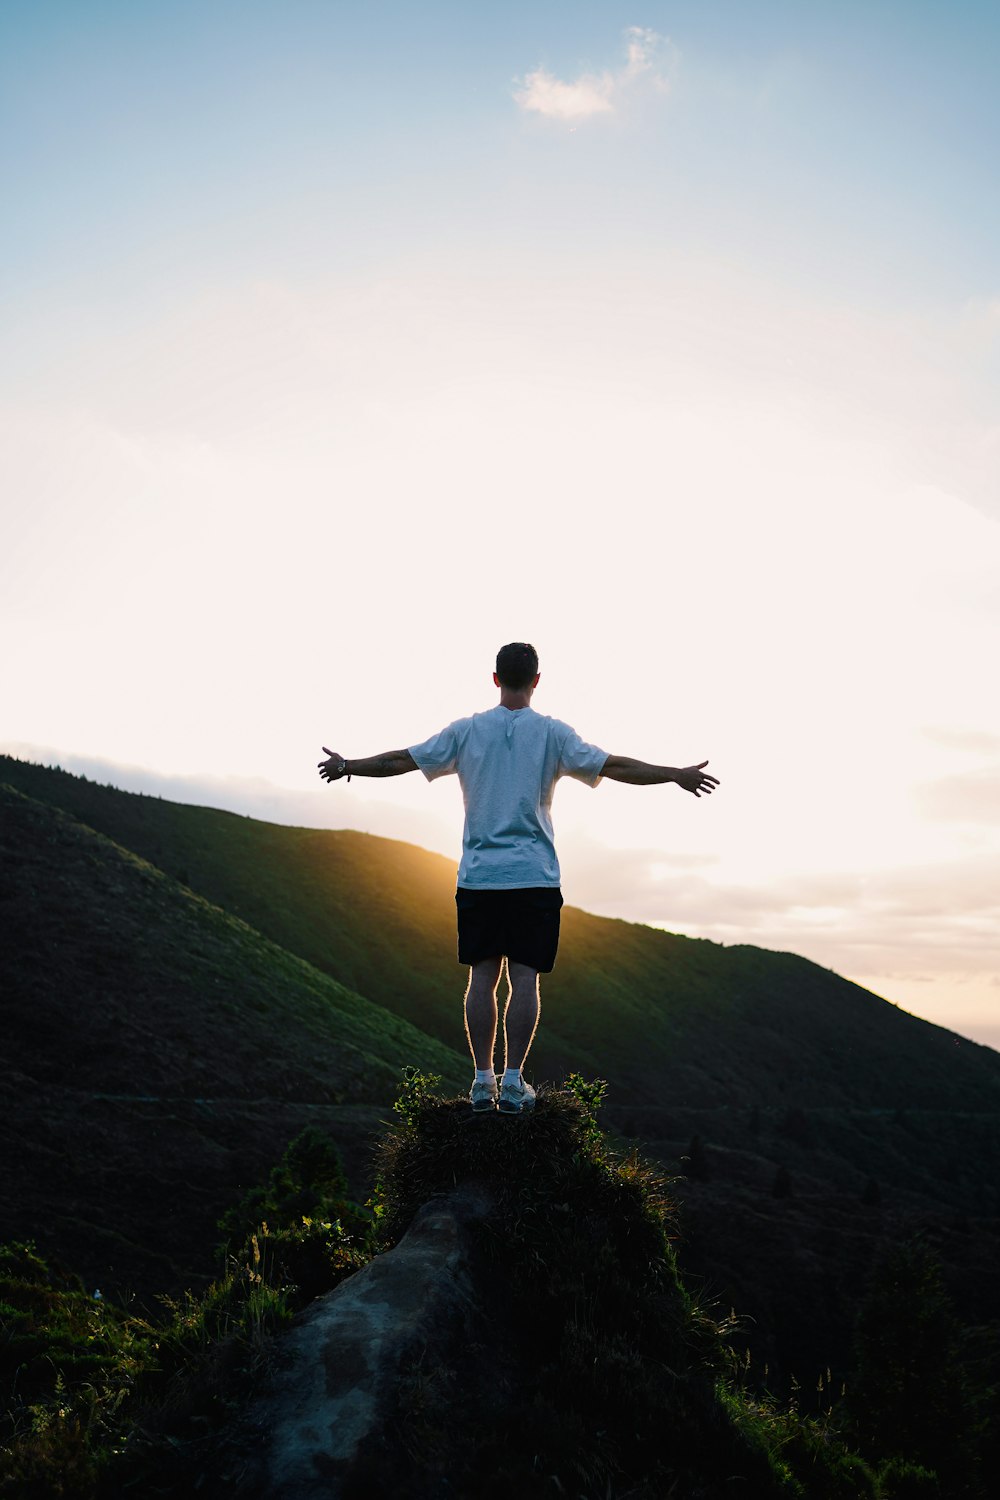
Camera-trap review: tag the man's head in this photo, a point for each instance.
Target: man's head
(517, 666)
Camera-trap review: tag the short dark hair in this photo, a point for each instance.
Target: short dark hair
(517, 665)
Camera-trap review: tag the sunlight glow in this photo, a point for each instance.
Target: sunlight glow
(295, 437)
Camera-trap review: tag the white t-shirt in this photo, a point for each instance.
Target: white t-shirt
(508, 762)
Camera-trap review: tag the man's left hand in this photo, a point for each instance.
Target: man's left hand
(695, 779)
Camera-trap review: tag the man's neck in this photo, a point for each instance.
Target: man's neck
(515, 698)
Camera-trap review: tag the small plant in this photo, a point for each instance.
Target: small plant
(416, 1092)
(589, 1094)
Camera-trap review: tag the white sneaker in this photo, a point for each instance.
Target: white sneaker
(483, 1095)
(516, 1098)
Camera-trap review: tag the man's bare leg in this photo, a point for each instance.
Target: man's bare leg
(520, 1019)
(481, 1010)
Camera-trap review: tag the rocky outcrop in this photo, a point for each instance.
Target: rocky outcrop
(527, 1334)
(324, 1425)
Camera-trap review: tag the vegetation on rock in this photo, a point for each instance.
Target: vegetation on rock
(605, 1377)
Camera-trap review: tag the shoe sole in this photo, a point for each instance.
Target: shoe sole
(482, 1107)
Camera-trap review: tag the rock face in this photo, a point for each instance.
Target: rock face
(325, 1418)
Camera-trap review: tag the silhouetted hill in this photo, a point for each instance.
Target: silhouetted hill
(159, 1053)
(827, 1120)
(670, 1020)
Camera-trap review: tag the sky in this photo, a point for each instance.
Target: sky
(342, 344)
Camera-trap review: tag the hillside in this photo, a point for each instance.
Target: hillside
(666, 1018)
(880, 1123)
(159, 1054)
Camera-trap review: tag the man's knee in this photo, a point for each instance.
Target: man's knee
(485, 973)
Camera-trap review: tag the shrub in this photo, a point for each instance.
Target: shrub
(97, 1401)
(898, 1480)
(70, 1364)
(907, 1395)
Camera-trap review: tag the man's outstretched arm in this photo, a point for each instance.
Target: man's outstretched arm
(641, 773)
(391, 763)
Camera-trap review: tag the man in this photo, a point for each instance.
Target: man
(508, 761)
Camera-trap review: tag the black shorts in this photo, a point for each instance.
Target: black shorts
(522, 925)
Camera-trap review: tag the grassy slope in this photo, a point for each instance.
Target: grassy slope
(159, 1052)
(656, 1013)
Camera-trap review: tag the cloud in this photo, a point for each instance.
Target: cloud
(973, 797)
(647, 56)
(934, 921)
(975, 741)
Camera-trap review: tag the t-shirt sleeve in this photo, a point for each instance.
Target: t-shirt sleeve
(578, 759)
(438, 756)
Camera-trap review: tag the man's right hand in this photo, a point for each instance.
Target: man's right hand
(334, 768)
(389, 763)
